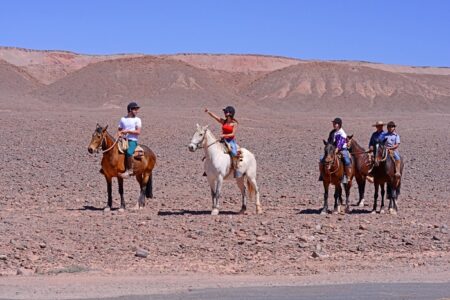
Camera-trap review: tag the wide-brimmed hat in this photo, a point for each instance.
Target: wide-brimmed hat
(391, 124)
(378, 123)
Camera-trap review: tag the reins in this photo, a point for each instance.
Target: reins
(115, 142)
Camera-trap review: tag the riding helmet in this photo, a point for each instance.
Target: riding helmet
(132, 105)
(337, 121)
(230, 110)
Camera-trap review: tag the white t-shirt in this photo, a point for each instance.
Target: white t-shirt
(130, 124)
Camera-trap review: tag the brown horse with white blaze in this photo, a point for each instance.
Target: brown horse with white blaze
(332, 170)
(113, 163)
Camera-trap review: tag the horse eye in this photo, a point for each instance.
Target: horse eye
(201, 134)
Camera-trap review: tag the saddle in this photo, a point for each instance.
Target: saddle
(227, 149)
(122, 143)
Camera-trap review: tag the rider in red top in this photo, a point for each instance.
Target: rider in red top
(229, 125)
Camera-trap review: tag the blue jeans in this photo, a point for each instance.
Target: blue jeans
(131, 147)
(346, 157)
(233, 145)
(396, 155)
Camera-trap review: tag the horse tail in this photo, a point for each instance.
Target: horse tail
(149, 187)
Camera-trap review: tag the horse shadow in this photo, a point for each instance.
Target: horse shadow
(193, 213)
(90, 208)
(310, 211)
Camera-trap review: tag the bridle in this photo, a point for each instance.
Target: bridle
(102, 142)
(200, 143)
(331, 163)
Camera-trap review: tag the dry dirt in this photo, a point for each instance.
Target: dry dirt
(52, 194)
(52, 218)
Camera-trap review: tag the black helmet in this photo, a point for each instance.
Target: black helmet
(132, 105)
(230, 110)
(337, 121)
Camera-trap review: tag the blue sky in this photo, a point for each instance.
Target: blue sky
(393, 32)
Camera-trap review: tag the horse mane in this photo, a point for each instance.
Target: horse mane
(357, 146)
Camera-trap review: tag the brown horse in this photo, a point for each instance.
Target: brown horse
(363, 164)
(332, 170)
(384, 172)
(113, 163)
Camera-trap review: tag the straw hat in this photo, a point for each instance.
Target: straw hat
(378, 123)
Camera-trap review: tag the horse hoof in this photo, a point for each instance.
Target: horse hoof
(323, 212)
(259, 210)
(374, 211)
(215, 212)
(361, 203)
(136, 207)
(347, 210)
(392, 211)
(106, 209)
(382, 211)
(121, 209)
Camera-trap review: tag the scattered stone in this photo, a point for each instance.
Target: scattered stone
(435, 238)
(141, 253)
(42, 245)
(318, 227)
(362, 227)
(318, 254)
(3, 257)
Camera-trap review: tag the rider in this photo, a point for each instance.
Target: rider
(229, 126)
(392, 143)
(376, 137)
(340, 141)
(130, 127)
(338, 138)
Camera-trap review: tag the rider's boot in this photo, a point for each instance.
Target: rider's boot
(129, 168)
(397, 168)
(347, 174)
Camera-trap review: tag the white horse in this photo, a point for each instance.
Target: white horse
(218, 166)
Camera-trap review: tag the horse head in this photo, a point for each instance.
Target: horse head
(198, 138)
(329, 154)
(349, 142)
(380, 152)
(97, 138)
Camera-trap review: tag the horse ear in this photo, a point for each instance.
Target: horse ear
(350, 137)
(106, 127)
(324, 142)
(198, 126)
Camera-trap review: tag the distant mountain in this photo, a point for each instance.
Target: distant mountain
(192, 80)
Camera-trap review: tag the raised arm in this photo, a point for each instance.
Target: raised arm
(214, 116)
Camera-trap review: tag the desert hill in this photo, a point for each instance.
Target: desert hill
(59, 77)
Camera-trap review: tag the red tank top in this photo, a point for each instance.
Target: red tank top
(227, 128)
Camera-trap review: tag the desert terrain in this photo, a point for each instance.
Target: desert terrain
(52, 195)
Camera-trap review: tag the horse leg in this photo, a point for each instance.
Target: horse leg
(347, 187)
(149, 186)
(241, 185)
(325, 198)
(361, 189)
(337, 198)
(382, 198)
(254, 193)
(375, 198)
(142, 184)
(392, 202)
(122, 200)
(109, 189)
(216, 195)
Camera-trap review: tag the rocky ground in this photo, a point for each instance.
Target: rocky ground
(52, 198)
